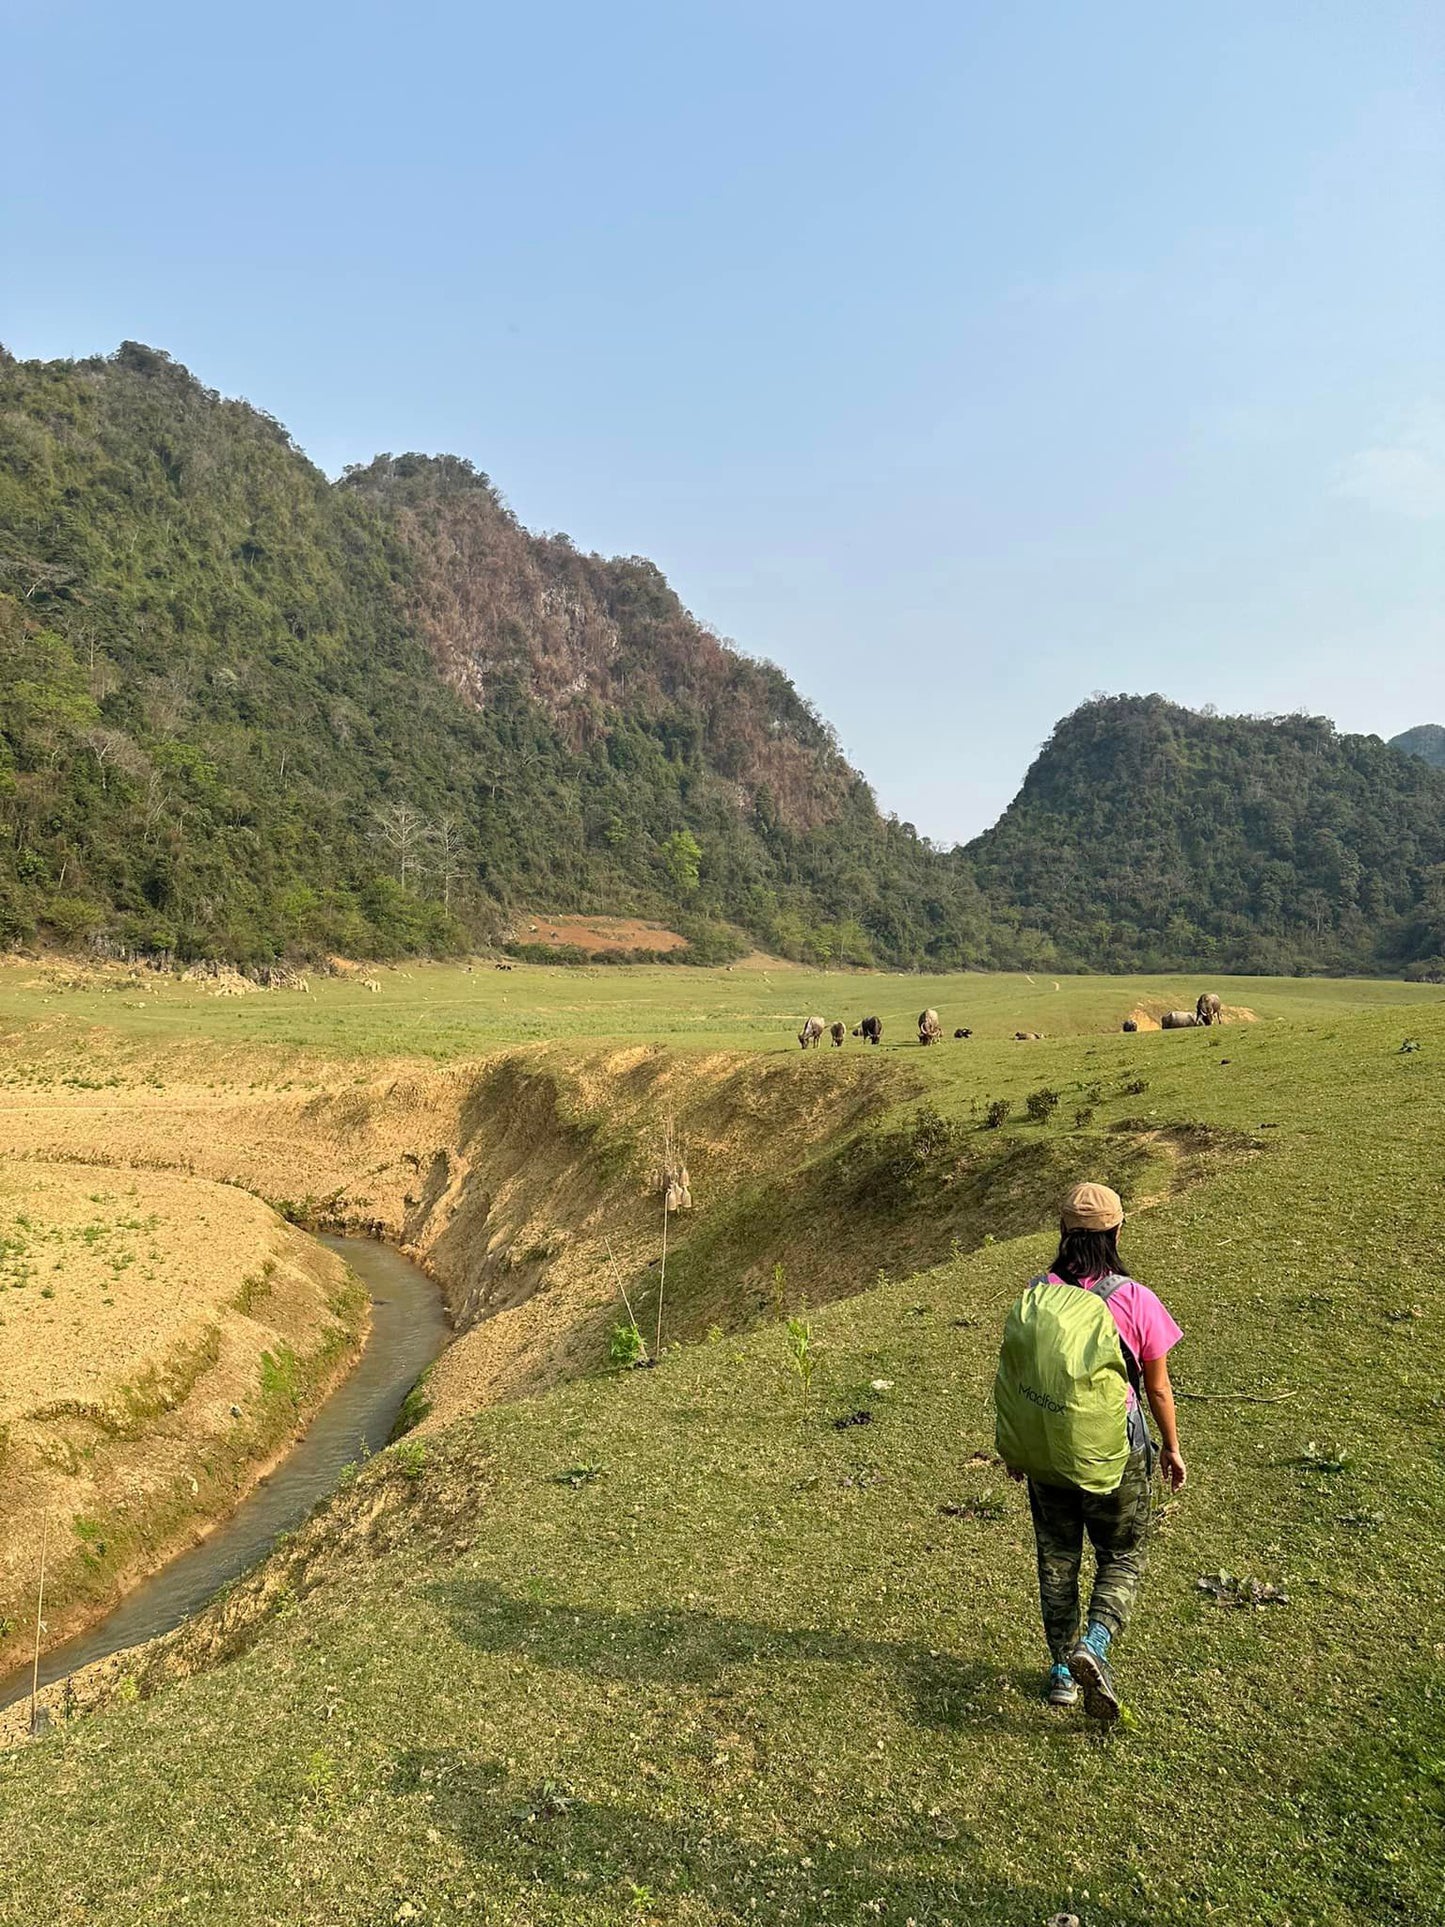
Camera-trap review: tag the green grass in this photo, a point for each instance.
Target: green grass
(439, 1011)
(750, 1669)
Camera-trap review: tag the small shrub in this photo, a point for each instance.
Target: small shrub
(321, 1779)
(802, 1354)
(628, 1347)
(410, 1459)
(931, 1136)
(1041, 1104)
(997, 1114)
(1083, 1117)
(1136, 1087)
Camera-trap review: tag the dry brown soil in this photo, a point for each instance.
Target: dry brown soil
(506, 1177)
(137, 1311)
(596, 933)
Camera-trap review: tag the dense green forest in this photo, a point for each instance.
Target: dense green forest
(1148, 836)
(1426, 740)
(246, 712)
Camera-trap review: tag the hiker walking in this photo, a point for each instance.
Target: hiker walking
(1077, 1348)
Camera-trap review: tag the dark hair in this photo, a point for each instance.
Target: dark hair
(1087, 1254)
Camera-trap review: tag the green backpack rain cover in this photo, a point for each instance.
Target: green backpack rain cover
(1062, 1391)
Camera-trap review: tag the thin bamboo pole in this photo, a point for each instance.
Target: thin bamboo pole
(617, 1274)
(661, 1278)
(39, 1609)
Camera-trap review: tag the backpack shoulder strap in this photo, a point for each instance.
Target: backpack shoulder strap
(1104, 1289)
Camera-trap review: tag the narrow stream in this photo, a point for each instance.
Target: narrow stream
(408, 1330)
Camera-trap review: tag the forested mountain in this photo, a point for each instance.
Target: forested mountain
(1148, 836)
(1427, 741)
(247, 712)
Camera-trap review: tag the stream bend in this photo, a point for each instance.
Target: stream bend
(408, 1330)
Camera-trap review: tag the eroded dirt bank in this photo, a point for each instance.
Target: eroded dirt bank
(162, 1338)
(507, 1178)
(527, 1183)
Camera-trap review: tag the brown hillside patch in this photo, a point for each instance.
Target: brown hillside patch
(761, 960)
(618, 934)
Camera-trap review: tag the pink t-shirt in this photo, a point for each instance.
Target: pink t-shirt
(1144, 1325)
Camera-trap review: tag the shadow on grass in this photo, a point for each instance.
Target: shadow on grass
(605, 1861)
(674, 1647)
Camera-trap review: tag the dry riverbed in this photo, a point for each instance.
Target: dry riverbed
(161, 1340)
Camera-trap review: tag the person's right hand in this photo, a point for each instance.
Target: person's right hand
(1171, 1464)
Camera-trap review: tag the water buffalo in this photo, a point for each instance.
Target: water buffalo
(963, 1033)
(1179, 1020)
(929, 1028)
(1028, 1036)
(812, 1030)
(1207, 1009)
(837, 1032)
(1130, 1025)
(871, 1028)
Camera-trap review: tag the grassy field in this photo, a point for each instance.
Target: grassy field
(677, 1647)
(441, 1011)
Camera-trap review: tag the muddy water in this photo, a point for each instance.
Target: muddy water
(408, 1330)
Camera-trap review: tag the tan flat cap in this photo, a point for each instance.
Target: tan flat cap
(1091, 1207)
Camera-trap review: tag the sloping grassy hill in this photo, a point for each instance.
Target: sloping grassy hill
(673, 1647)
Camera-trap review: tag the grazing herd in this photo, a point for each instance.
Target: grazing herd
(930, 1030)
(1206, 1011)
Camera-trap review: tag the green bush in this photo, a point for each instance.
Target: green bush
(627, 1347)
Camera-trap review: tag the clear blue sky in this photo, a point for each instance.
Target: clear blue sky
(965, 359)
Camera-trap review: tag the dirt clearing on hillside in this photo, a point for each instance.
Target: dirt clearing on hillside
(619, 934)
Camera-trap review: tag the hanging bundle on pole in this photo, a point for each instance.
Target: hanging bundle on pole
(672, 1179)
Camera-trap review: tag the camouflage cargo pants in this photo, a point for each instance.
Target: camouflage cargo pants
(1118, 1527)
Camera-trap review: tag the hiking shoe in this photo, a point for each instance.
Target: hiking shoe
(1061, 1689)
(1088, 1667)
